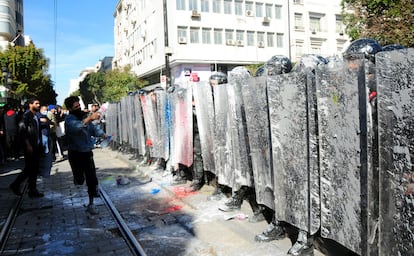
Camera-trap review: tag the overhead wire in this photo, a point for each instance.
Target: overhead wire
(55, 36)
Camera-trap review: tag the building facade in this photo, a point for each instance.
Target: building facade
(197, 37)
(11, 23)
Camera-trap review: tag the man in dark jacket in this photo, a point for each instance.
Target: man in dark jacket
(31, 141)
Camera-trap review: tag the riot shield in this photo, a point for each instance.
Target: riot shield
(118, 119)
(162, 141)
(112, 121)
(342, 117)
(130, 117)
(222, 142)
(124, 122)
(181, 99)
(148, 110)
(239, 151)
(203, 100)
(395, 76)
(170, 123)
(294, 150)
(256, 109)
(139, 125)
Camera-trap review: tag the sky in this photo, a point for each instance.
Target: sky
(81, 36)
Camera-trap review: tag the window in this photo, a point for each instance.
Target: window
(298, 21)
(180, 4)
(249, 6)
(259, 9)
(206, 35)
(278, 12)
(240, 35)
(279, 40)
(182, 32)
(218, 36)
(250, 38)
(315, 24)
(205, 5)
(227, 6)
(194, 35)
(315, 48)
(229, 34)
(268, 10)
(260, 38)
(192, 5)
(238, 7)
(270, 39)
(299, 48)
(217, 6)
(339, 26)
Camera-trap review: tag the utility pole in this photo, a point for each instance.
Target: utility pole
(166, 44)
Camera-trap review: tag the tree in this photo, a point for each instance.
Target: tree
(109, 87)
(388, 21)
(92, 87)
(28, 67)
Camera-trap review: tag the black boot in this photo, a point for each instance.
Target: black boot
(256, 208)
(179, 178)
(303, 246)
(235, 201)
(15, 189)
(274, 231)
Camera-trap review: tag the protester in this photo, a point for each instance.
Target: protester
(46, 158)
(79, 134)
(2, 138)
(10, 128)
(29, 131)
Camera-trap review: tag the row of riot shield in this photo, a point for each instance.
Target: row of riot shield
(318, 153)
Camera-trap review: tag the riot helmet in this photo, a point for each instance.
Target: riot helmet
(366, 46)
(240, 71)
(392, 47)
(218, 78)
(278, 64)
(309, 61)
(260, 71)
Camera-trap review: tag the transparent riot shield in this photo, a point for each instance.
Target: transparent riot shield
(124, 122)
(118, 118)
(296, 177)
(240, 150)
(170, 123)
(130, 118)
(342, 117)
(395, 76)
(162, 141)
(258, 128)
(111, 118)
(139, 125)
(203, 100)
(222, 141)
(148, 103)
(181, 99)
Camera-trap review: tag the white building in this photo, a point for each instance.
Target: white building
(208, 35)
(11, 23)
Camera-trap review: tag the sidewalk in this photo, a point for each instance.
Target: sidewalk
(167, 220)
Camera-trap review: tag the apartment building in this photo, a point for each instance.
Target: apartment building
(11, 23)
(197, 37)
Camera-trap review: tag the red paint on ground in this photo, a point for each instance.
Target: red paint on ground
(182, 191)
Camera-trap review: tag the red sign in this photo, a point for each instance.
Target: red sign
(194, 77)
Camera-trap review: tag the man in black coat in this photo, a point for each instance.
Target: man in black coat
(29, 130)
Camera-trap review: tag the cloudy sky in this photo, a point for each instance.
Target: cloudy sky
(74, 35)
